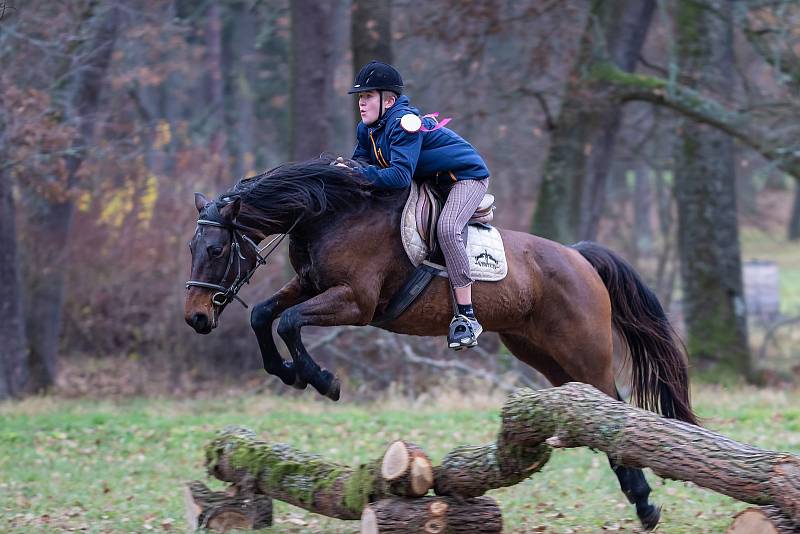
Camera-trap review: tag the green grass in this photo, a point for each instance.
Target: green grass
(119, 466)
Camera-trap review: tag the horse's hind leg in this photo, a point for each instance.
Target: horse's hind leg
(631, 480)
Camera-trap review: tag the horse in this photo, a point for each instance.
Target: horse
(556, 310)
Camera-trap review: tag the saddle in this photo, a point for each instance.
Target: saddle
(428, 207)
(485, 251)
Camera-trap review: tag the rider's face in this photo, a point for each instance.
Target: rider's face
(369, 105)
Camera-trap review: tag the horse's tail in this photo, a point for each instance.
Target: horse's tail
(660, 380)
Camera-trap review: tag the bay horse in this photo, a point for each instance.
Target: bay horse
(555, 310)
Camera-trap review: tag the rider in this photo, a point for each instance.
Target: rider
(394, 151)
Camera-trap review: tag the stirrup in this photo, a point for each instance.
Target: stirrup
(463, 332)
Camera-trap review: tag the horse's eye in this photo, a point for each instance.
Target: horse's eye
(216, 251)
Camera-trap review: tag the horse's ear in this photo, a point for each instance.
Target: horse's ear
(200, 201)
(230, 210)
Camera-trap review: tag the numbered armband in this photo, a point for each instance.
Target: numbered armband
(411, 123)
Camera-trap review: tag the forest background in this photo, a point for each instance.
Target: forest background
(666, 130)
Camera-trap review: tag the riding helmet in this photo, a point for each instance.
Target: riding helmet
(377, 76)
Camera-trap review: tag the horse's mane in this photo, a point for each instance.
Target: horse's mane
(312, 188)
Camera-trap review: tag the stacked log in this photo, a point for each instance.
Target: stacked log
(311, 482)
(432, 515)
(576, 415)
(222, 511)
(388, 493)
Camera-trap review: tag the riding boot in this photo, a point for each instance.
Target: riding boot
(463, 332)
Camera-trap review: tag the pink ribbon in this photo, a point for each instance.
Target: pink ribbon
(439, 124)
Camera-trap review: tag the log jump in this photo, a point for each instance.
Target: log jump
(390, 494)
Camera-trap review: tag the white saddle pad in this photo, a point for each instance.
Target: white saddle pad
(487, 256)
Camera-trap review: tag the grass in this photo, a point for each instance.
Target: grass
(102, 466)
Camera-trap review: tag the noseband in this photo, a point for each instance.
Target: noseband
(225, 295)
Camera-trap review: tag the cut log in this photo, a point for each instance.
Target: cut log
(470, 471)
(580, 415)
(407, 469)
(221, 511)
(432, 515)
(762, 520)
(311, 482)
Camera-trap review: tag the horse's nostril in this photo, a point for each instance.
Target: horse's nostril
(199, 321)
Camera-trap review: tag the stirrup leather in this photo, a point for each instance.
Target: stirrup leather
(462, 334)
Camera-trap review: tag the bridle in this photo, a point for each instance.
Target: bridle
(225, 295)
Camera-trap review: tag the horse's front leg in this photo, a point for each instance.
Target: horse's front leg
(333, 307)
(261, 318)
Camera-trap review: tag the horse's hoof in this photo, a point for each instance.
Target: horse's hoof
(299, 383)
(650, 516)
(334, 390)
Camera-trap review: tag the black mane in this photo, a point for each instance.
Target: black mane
(310, 188)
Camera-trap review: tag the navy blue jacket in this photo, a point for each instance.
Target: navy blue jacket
(395, 156)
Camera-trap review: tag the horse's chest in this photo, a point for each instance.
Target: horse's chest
(310, 266)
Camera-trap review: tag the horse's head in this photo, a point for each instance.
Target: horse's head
(223, 259)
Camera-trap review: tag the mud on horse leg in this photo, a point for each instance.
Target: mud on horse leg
(261, 318)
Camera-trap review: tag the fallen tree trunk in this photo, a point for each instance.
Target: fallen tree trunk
(762, 520)
(311, 482)
(470, 471)
(432, 515)
(577, 415)
(221, 511)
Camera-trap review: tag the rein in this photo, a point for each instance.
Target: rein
(226, 295)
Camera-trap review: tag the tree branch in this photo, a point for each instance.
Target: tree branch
(628, 87)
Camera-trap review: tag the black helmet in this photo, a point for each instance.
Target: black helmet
(377, 76)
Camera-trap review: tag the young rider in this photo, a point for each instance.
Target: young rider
(395, 150)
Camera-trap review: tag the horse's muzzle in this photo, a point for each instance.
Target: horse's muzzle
(200, 323)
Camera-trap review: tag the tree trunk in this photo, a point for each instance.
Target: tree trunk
(432, 515)
(571, 197)
(705, 185)
(218, 140)
(572, 415)
(49, 229)
(222, 511)
(626, 26)
(312, 61)
(370, 34)
(308, 481)
(577, 415)
(470, 471)
(13, 350)
(244, 69)
(762, 520)
(642, 212)
(794, 221)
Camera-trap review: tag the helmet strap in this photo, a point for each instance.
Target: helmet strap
(380, 97)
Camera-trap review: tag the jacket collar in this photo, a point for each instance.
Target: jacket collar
(401, 106)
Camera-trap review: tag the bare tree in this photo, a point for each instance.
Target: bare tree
(312, 63)
(50, 227)
(705, 185)
(13, 350)
(571, 196)
(370, 33)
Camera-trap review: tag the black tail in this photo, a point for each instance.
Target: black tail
(660, 380)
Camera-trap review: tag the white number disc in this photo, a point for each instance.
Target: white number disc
(411, 123)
